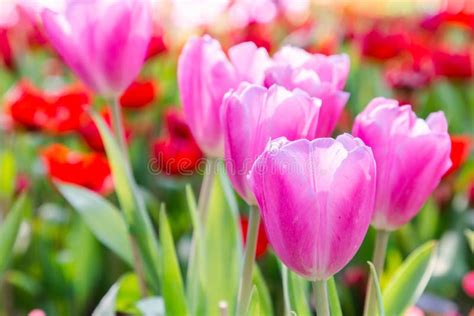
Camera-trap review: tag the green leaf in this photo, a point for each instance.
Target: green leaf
(172, 283)
(193, 288)
(410, 280)
(223, 250)
(9, 231)
(298, 291)
(128, 295)
(106, 305)
(334, 303)
(102, 218)
(376, 286)
(7, 175)
(265, 301)
(152, 306)
(254, 304)
(133, 206)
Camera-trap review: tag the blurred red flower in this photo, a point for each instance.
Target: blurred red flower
(89, 170)
(460, 147)
(176, 153)
(255, 32)
(139, 94)
(157, 46)
(458, 65)
(461, 18)
(382, 44)
(91, 135)
(57, 113)
(6, 53)
(262, 241)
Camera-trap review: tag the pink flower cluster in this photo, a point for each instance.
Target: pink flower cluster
(271, 119)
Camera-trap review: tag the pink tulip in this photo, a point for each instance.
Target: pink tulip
(104, 42)
(205, 74)
(321, 76)
(253, 115)
(316, 199)
(411, 154)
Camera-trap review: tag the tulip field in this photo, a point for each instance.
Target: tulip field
(237, 157)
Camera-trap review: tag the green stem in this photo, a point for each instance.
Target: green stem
(206, 189)
(322, 298)
(119, 134)
(381, 242)
(245, 287)
(118, 127)
(286, 294)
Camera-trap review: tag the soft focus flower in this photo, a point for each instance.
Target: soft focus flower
(458, 65)
(414, 311)
(176, 153)
(320, 76)
(253, 115)
(91, 170)
(22, 183)
(54, 112)
(156, 46)
(105, 53)
(243, 12)
(468, 284)
(91, 135)
(382, 44)
(139, 94)
(316, 200)
(460, 18)
(205, 75)
(412, 155)
(262, 241)
(259, 34)
(6, 53)
(460, 148)
(37, 312)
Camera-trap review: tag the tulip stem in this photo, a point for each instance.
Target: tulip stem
(286, 294)
(119, 134)
(322, 298)
(249, 258)
(381, 242)
(206, 189)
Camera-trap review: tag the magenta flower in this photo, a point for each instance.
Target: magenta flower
(320, 76)
(104, 42)
(316, 199)
(411, 154)
(252, 116)
(205, 74)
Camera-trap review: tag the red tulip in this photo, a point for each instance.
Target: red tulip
(90, 170)
(6, 53)
(57, 113)
(157, 46)
(468, 284)
(257, 33)
(450, 64)
(460, 147)
(139, 94)
(176, 153)
(461, 18)
(382, 45)
(91, 135)
(262, 241)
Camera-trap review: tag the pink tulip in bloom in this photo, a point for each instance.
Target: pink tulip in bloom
(412, 155)
(253, 115)
(316, 199)
(320, 76)
(104, 42)
(205, 74)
